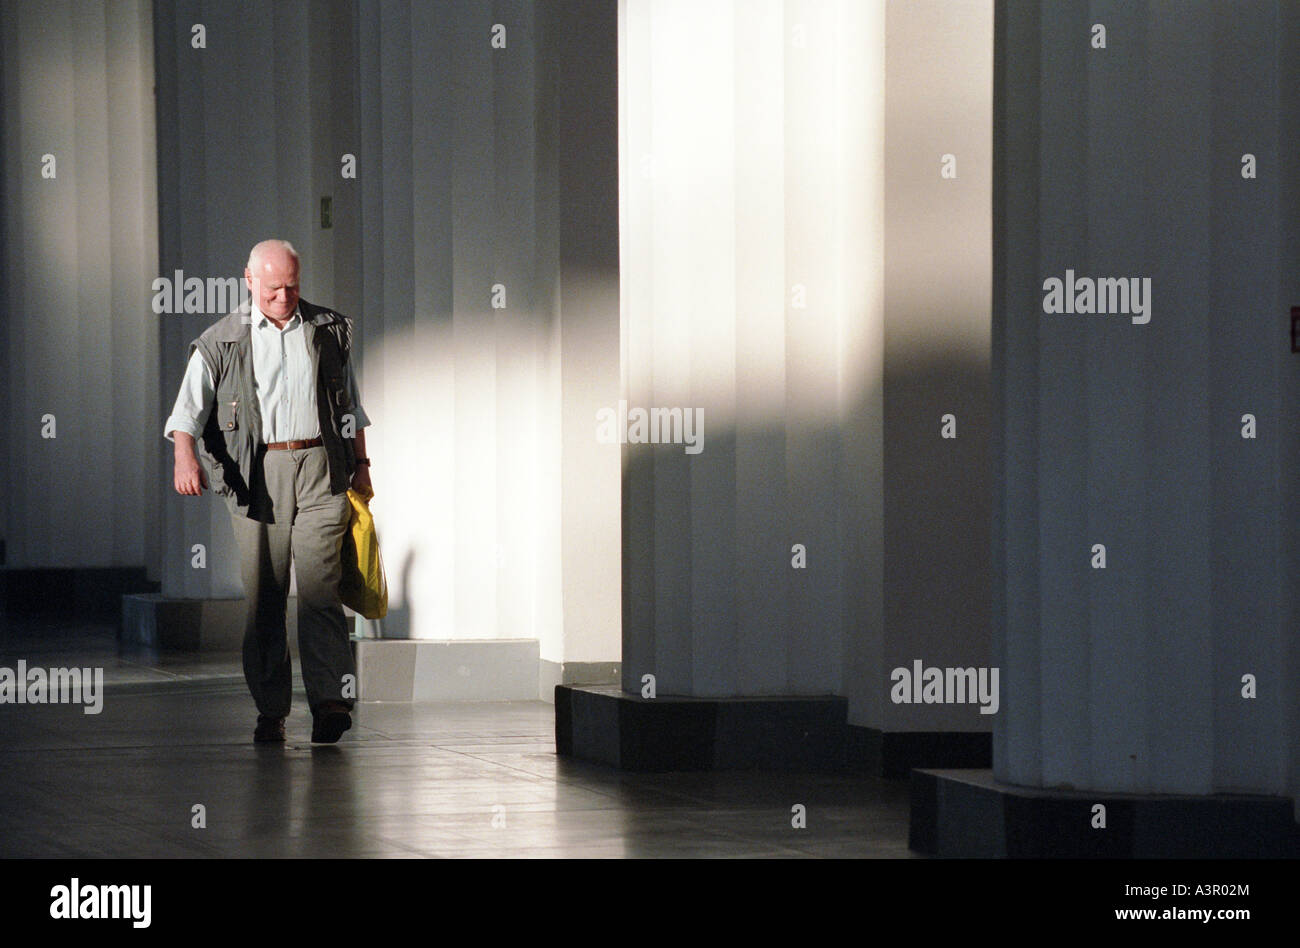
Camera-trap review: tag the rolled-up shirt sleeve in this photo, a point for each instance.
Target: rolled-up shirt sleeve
(194, 402)
(363, 420)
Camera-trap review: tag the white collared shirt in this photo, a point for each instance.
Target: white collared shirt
(282, 377)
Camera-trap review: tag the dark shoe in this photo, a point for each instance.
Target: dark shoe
(329, 721)
(269, 730)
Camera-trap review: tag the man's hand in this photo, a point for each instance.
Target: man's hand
(361, 480)
(190, 477)
(361, 476)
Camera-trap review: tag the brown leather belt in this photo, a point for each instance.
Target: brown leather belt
(293, 445)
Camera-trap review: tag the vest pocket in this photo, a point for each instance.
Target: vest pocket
(228, 414)
(339, 395)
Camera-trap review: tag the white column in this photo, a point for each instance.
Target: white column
(751, 260)
(1126, 162)
(81, 245)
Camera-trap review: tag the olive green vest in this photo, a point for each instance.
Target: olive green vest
(231, 441)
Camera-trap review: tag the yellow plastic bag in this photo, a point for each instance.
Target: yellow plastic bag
(364, 588)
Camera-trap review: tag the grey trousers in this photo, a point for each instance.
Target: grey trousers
(295, 515)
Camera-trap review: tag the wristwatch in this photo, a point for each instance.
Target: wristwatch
(361, 461)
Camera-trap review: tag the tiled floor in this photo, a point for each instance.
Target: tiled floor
(456, 780)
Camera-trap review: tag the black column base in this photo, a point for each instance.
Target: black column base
(607, 725)
(895, 754)
(75, 593)
(966, 813)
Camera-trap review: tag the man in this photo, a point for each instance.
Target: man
(270, 400)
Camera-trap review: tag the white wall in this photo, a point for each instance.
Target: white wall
(496, 515)
(502, 516)
(244, 155)
(938, 299)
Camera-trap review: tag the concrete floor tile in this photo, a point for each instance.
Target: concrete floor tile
(444, 780)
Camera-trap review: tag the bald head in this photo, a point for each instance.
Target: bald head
(272, 277)
(269, 250)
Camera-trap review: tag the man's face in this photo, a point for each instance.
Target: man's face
(275, 284)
